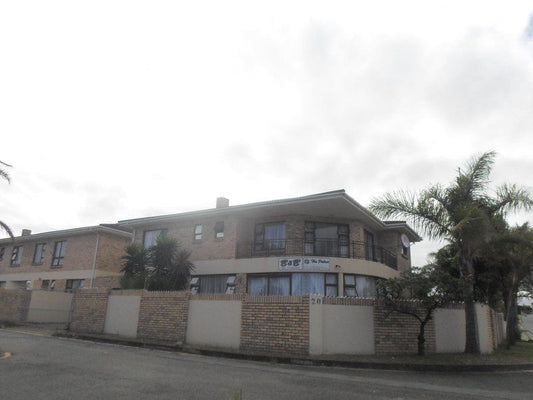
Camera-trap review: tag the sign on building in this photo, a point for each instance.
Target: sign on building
(304, 264)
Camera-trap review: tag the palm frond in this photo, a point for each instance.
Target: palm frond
(426, 212)
(511, 198)
(3, 173)
(7, 229)
(475, 178)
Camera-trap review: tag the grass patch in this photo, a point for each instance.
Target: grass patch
(522, 351)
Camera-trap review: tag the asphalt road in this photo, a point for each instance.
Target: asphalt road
(55, 368)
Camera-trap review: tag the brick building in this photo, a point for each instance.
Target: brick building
(325, 244)
(65, 259)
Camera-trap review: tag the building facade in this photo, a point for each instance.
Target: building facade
(325, 244)
(64, 260)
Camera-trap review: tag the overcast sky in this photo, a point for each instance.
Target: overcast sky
(112, 110)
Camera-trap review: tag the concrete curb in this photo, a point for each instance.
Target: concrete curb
(299, 360)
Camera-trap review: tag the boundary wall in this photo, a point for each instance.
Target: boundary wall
(274, 325)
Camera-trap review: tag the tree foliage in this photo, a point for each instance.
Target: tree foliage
(418, 292)
(5, 175)
(164, 266)
(463, 213)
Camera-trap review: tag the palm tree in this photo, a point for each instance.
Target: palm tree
(5, 175)
(134, 267)
(170, 265)
(461, 213)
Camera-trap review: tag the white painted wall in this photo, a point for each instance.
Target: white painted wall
(214, 323)
(483, 328)
(122, 316)
(450, 331)
(49, 306)
(340, 329)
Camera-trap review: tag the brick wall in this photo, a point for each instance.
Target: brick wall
(397, 333)
(163, 316)
(89, 307)
(275, 324)
(14, 305)
(111, 248)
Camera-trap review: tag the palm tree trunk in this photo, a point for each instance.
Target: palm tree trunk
(512, 310)
(467, 273)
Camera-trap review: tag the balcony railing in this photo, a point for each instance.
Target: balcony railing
(319, 247)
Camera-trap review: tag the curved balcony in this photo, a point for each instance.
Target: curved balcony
(319, 248)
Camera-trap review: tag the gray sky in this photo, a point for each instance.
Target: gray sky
(121, 109)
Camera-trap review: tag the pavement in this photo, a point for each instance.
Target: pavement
(438, 363)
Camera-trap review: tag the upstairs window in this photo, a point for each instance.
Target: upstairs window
(38, 256)
(2, 251)
(60, 248)
(198, 232)
(150, 237)
(270, 236)
(219, 230)
(16, 255)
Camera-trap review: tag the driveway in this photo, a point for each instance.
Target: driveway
(56, 368)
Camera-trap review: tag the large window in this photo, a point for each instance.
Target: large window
(60, 248)
(150, 237)
(16, 255)
(38, 255)
(270, 236)
(324, 239)
(213, 284)
(295, 284)
(359, 286)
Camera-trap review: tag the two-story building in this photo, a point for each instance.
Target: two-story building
(65, 259)
(326, 244)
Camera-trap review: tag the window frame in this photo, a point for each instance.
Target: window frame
(289, 275)
(162, 232)
(2, 253)
(58, 256)
(345, 285)
(219, 234)
(42, 247)
(198, 232)
(260, 245)
(16, 256)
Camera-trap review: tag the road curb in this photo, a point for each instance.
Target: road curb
(300, 360)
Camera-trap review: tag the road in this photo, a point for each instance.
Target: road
(56, 368)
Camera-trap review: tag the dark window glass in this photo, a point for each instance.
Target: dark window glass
(38, 256)
(60, 248)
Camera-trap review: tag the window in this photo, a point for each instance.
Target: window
(2, 251)
(331, 285)
(359, 286)
(219, 230)
(324, 239)
(60, 249)
(213, 284)
(16, 255)
(48, 284)
(273, 285)
(73, 284)
(270, 236)
(369, 246)
(198, 232)
(150, 237)
(38, 256)
(296, 284)
(350, 289)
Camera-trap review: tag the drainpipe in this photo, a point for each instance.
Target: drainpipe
(94, 260)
